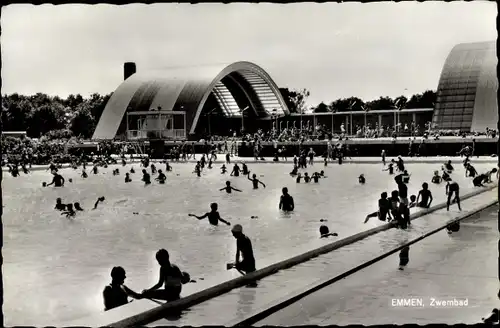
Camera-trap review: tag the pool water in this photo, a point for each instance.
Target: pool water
(60, 266)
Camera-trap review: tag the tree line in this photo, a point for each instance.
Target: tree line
(296, 102)
(42, 115)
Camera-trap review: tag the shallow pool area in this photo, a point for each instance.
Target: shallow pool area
(63, 264)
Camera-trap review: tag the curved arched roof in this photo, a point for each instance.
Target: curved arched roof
(467, 90)
(187, 89)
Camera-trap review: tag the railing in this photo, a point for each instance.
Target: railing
(156, 134)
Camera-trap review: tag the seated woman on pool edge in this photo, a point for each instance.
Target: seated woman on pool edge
(170, 276)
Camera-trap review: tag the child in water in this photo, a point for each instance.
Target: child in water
(161, 177)
(390, 168)
(78, 207)
(70, 212)
(413, 201)
(213, 216)
(286, 201)
(299, 177)
(127, 178)
(146, 177)
(255, 181)
(59, 205)
(223, 169)
(116, 294)
(99, 200)
(307, 178)
(436, 178)
(228, 188)
(362, 179)
(324, 232)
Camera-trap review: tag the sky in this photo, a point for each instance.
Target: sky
(333, 50)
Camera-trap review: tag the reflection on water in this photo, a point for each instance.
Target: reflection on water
(67, 262)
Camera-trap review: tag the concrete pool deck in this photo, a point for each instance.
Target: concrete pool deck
(461, 266)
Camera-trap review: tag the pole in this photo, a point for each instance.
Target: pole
(332, 122)
(209, 127)
(350, 123)
(127, 128)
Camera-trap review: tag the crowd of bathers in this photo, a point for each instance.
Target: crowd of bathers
(394, 208)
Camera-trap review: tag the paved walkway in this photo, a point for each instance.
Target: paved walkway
(442, 267)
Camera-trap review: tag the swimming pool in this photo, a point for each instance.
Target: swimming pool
(61, 266)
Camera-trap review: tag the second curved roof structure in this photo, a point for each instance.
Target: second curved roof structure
(187, 89)
(467, 90)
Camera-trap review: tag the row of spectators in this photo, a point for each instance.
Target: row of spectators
(45, 150)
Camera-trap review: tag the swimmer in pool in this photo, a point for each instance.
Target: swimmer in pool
(452, 188)
(84, 174)
(99, 200)
(294, 171)
(146, 177)
(400, 164)
(255, 181)
(436, 178)
(59, 205)
(95, 170)
(315, 177)
(78, 207)
(384, 207)
(161, 177)
(413, 201)
(168, 168)
(322, 174)
(228, 188)
(362, 179)
(286, 201)
(406, 177)
(197, 169)
(299, 177)
(213, 216)
(236, 171)
(307, 178)
(390, 168)
(470, 171)
(57, 180)
(223, 169)
(449, 167)
(132, 170)
(243, 249)
(116, 294)
(244, 169)
(127, 178)
(425, 196)
(70, 212)
(153, 169)
(324, 232)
